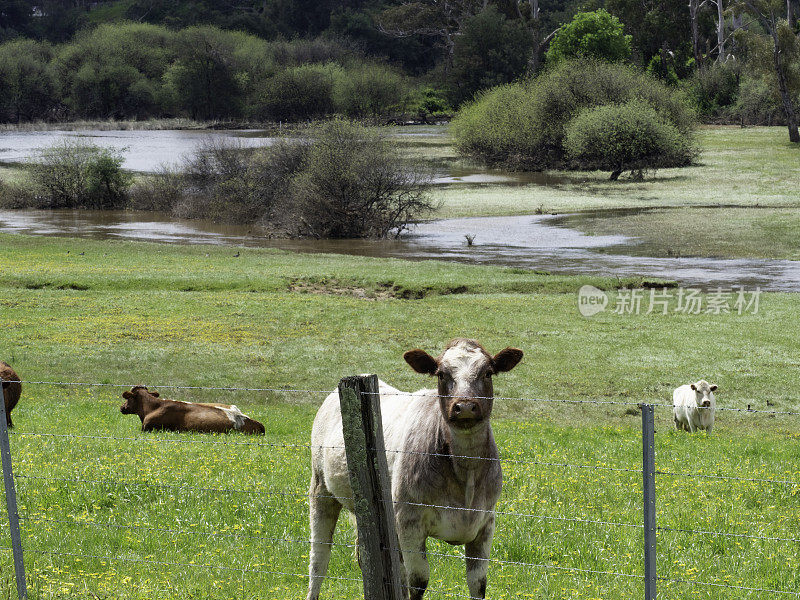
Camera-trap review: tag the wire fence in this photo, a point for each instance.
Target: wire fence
(116, 501)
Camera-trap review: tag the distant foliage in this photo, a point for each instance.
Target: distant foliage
(492, 50)
(299, 93)
(757, 103)
(714, 89)
(368, 90)
(79, 175)
(629, 136)
(28, 85)
(595, 34)
(523, 126)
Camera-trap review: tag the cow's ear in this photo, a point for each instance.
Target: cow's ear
(154, 393)
(507, 359)
(127, 395)
(421, 361)
(694, 387)
(714, 387)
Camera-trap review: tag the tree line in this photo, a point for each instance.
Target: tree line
(739, 60)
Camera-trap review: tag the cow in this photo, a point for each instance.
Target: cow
(12, 389)
(694, 406)
(441, 453)
(177, 415)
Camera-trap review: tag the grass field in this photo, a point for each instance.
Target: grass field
(128, 515)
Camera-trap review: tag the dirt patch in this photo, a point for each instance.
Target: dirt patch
(381, 291)
(337, 288)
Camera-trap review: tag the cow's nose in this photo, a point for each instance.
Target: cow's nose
(465, 410)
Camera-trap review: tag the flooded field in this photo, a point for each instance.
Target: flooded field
(534, 242)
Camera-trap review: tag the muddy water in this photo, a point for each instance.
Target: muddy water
(531, 242)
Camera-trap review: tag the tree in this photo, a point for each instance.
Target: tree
(491, 50)
(595, 34)
(28, 84)
(629, 136)
(785, 47)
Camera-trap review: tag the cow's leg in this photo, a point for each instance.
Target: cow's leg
(690, 426)
(415, 559)
(477, 553)
(323, 511)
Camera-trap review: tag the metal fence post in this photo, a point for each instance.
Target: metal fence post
(649, 488)
(379, 556)
(11, 502)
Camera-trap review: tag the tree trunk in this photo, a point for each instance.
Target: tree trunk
(783, 87)
(694, 8)
(721, 33)
(615, 175)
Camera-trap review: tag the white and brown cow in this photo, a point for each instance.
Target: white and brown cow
(177, 415)
(442, 439)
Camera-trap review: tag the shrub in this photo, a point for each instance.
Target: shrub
(628, 136)
(367, 90)
(758, 103)
(523, 125)
(353, 185)
(714, 89)
(79, 175)
(427, 101)
(595, 34)
(298, 93)
(338, 179)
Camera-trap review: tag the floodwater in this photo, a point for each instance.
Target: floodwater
(536, 242)
(144, 151)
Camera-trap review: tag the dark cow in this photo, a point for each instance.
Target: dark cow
(12, 388)
(176, 415)
(437, 436)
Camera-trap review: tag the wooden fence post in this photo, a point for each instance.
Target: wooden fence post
(11, 501)
(379, 556)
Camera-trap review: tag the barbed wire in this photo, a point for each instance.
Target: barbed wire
(399, 393)
(267, 492)
(723, 534)
(323, 447)
(728, 478)
(729, 586)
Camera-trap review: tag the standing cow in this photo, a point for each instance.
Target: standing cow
(694, 406)
(12, 388)
(446, 457)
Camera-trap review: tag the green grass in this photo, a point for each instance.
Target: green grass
(728, 232)
(125, 313)
(737, 167)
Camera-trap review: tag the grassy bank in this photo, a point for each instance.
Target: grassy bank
(729, 232)
(737, 167)
(112, 312)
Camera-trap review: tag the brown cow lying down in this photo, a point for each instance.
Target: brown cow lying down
(176, 415)
(12, 388)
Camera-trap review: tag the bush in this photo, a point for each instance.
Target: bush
(337, 180)
(595, 34)
(629, 136)
(714, 89)
(79, 175)
(367, 90)
(353, 185)
(522, 126)
(298, 93)
(758, 103)
(427, 101)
